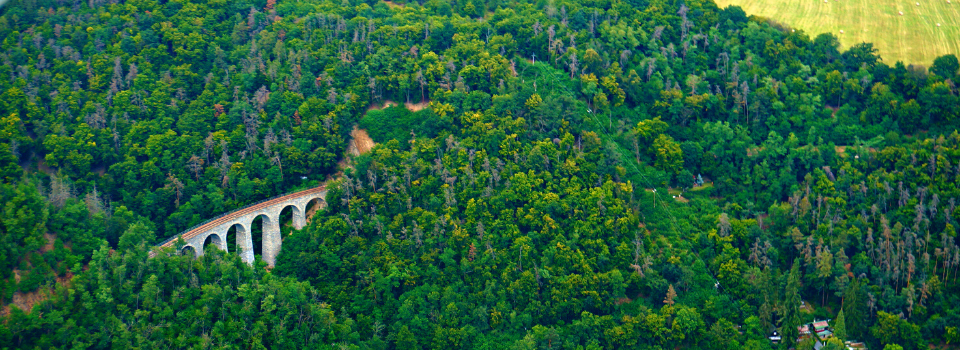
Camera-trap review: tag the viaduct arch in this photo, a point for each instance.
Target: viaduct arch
(216, 228)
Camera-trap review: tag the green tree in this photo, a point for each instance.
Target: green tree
(840, 327)
(669, 155)
(854, 307)
(945, 66)
(891, 329)
(138, 234)
(790, 308)
(406, 339)
(9, 169)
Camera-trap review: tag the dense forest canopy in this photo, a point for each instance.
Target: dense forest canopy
(586, 174)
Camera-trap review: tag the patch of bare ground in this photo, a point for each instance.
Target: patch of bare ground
(392, 5)
(413, 107)
(44, 168)
(834, 109)
(50, 240)
(416, 107)
(26, 301)
(312, 210)
(383, 104)
(360, 142)
(841, 150)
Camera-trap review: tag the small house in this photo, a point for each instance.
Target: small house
(775, 337)
(804, 332)
(822, 328)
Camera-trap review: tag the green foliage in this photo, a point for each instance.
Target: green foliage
(530, 211)
(219, 299)
(398, 123)
(840, 327)
(9, 171)
(669, 154)
(136, 235)
(946, 66)
(891, 329)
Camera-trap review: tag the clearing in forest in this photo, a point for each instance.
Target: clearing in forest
(913, 37)
(360, 142)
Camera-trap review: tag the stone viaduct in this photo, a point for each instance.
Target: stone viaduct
(216, 229)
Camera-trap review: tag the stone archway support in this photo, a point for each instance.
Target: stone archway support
(243, 219)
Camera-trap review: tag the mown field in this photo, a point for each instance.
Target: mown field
(913, 37)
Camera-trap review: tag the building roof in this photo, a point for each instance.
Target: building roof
(820, 324)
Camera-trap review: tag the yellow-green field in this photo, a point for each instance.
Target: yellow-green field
(912, 38)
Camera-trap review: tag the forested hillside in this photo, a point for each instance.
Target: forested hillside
(587, 174)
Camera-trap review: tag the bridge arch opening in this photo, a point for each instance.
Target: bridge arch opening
(188, 251)
(234, 238)
(290, 219)
(312, 207)
(258, 227)
(214, 241)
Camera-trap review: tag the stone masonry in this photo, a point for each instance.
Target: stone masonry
(243, 218)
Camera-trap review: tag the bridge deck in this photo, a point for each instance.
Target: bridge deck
(190, 233)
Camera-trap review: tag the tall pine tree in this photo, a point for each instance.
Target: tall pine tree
(840, 327)
(791, 308)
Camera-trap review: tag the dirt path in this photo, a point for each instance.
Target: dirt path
(413, 107)
(416, 107)
(360, 142)
(381, 105)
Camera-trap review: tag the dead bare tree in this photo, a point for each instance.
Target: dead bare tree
(195, 165)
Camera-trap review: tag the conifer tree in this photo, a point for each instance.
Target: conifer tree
(840, 327)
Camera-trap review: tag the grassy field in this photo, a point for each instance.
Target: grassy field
(913, 38)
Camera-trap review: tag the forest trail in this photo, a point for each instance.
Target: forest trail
(416, 107)
(413, 107)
